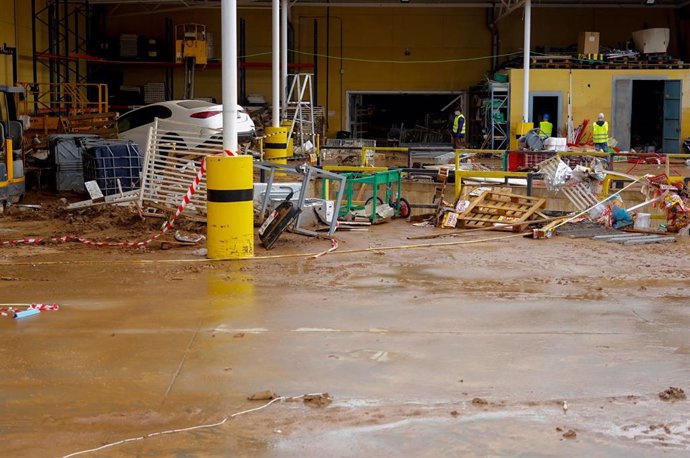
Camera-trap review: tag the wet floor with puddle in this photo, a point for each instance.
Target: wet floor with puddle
(468, 350)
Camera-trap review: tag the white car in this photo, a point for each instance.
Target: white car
(200, 116)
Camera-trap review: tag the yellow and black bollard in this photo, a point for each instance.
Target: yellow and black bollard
(277, 148)
(230, 208)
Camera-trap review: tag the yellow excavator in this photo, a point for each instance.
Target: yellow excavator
(12, 185)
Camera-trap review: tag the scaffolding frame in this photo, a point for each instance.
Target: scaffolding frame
(68, 23)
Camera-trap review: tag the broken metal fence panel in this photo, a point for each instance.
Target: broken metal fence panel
(171, 164)
(308, 173)
(173, 159)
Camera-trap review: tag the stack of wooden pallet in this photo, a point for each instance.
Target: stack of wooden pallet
(602, 61)
(103, 124)
(493, 208)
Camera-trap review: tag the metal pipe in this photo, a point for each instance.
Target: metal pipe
(229, 74)
(493, 28)
(34, 60)
(243, 61)
(284, 53)
(316, 62)
(525, 61)
(340, 74)
(52, 20)
(15, 68)
(65, 32)
(77, 63)
(275, 77)
(328, 62)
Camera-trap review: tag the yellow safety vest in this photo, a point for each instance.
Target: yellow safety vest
(457, 121)
(546, 127)
(601, 133)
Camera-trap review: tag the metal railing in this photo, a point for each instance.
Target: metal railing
(64, 98)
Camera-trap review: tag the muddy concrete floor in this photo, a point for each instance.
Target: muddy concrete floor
(449, 350)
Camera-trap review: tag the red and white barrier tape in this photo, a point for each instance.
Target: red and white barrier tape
(334, 246)
(165, 228)
(11, 309)
(187, 197)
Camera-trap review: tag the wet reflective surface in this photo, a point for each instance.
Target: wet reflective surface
(404, 342)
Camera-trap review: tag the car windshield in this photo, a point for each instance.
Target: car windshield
(191, 104)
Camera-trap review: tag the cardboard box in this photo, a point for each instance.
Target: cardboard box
(588, 43)
(558, 144)
(651, 40)
(450, 220)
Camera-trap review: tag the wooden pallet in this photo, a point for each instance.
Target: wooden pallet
(103, 124)
(492, 208)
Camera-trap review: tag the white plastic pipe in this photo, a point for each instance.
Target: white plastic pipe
(284, 53)
(275, 77)
(525, 61)
(229, 74)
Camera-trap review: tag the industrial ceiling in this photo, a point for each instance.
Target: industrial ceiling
(415, 3)
(503, 8)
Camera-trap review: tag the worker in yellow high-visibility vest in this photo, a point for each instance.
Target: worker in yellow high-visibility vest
(458, 129)
(600, 134)
(545, 126)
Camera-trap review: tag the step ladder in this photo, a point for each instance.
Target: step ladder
(439, 195)
(300, 109)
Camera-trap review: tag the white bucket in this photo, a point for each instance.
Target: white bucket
(642, 221)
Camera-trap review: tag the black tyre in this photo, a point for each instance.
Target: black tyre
(379, 201)
(405, 208)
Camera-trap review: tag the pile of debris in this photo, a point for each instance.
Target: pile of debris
(594, 217)
(580, 186)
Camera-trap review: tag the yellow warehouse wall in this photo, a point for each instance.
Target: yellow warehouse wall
(592, 92)
(373, 37)
(385, 49)
(381, 48)
(15, 31)
(7, 35)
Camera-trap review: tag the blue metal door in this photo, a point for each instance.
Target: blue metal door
(672, 110)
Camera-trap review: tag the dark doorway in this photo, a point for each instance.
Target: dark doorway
(647, 114)
(546, 104)
(410, 117)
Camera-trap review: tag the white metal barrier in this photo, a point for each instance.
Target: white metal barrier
(173, 158)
